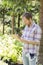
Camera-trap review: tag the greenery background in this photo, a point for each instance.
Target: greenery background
(11, 22)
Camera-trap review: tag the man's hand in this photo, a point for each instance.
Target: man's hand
(16, 36)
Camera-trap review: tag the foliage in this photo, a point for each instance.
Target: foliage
(2, 63)
(18, 7)
(9, 48)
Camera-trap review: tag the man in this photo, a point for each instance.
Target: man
(31, 38)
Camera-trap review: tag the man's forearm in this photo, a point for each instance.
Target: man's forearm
(26, 41)
(29, 42)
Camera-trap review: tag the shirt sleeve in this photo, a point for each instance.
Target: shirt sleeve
(37, 35)
(23, 34)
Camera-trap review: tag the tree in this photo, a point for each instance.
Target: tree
(3, 11)
(20, 6)
(41, 24)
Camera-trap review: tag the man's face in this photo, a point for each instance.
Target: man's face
(26, 21)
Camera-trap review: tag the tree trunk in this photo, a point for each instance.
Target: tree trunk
(13, 20)
(18, 20)
(3, 22)
(41, 24)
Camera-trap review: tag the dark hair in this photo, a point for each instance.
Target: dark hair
(28, 15)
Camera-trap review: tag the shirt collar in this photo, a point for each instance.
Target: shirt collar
(33, 25)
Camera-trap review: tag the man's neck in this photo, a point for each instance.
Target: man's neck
(30, 24)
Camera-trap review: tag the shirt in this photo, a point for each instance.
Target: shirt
(32, 33)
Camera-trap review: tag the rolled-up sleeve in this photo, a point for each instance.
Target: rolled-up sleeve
(38, 34)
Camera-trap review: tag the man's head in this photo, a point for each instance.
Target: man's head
(27, 18)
